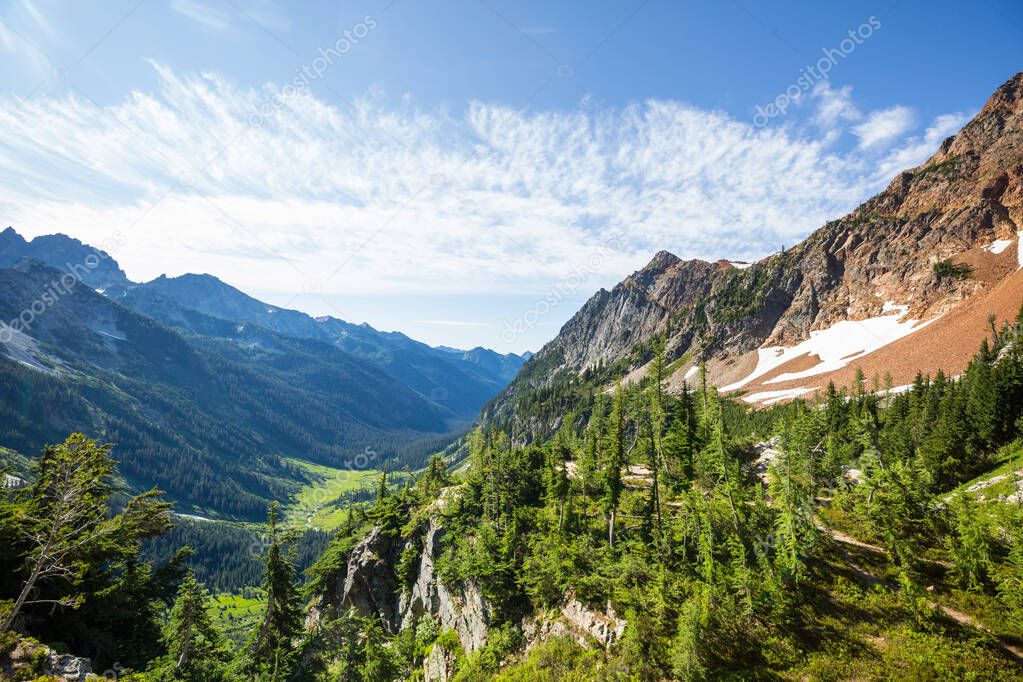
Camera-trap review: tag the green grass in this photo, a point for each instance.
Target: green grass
(19, 464)
(316, 505)
(236, 614)
(1008, 460)
(949, 168)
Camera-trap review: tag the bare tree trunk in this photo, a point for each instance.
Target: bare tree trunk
(20, 602)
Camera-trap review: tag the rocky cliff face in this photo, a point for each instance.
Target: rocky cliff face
(964, 204)
(371, 588)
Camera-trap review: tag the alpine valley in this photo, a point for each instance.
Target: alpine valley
(806, 467)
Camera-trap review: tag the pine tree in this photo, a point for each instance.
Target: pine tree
(982, 404)
(969, 547)
(271, 647)
(1010, 587)
(615, 460)
(195, 648)
(556, 484)
(66, 519)
(592, 453)
(680, 444)
(791, 487)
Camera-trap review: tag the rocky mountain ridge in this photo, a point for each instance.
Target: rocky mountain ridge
(941, 234)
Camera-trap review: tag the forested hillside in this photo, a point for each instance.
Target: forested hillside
(688, 536)
(208, 421)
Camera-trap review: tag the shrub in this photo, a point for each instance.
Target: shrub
(947, 269)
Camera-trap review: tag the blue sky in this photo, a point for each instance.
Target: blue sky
(470, 172)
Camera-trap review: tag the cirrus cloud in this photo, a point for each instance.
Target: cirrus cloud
(378, 197)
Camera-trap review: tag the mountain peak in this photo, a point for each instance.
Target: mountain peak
(662, 260)
(1008, 97)
(66, 254)
(962, 207)
(10, 237)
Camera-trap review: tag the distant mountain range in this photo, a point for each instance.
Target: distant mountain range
(206, 391)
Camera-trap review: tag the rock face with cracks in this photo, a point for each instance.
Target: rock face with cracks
(371, 588)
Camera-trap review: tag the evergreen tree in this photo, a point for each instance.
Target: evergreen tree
(270, 651)
(614, 450)
(195, 648)
(969, 547)
(1010, 586)
(65, 520)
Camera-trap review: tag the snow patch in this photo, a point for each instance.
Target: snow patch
(891, 307)
(740, 264)
(691, 372)
(836, 346)
(771, 397)
(24, 350)
(998, 245)
(1019, 249)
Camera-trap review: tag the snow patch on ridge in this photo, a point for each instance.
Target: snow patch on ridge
(1019, 250)
(836, 346)
(771, 397)
(998, 245)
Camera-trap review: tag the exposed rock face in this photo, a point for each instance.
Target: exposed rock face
(440, 665)
(611, 322)
(463, 610)
(371, 588)
(69, 668)
(574, 618)
(30, 659)
(955, 206)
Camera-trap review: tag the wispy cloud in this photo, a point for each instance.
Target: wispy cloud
(395, 199)
(885, 126)
(39, 20)
(206, 16)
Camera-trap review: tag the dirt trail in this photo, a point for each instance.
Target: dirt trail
(958, 616)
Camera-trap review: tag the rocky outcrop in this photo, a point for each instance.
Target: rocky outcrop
(371, 588)
(29, 659)
(573, 618)
(440, 665)
(69, 668)
(462, 608)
